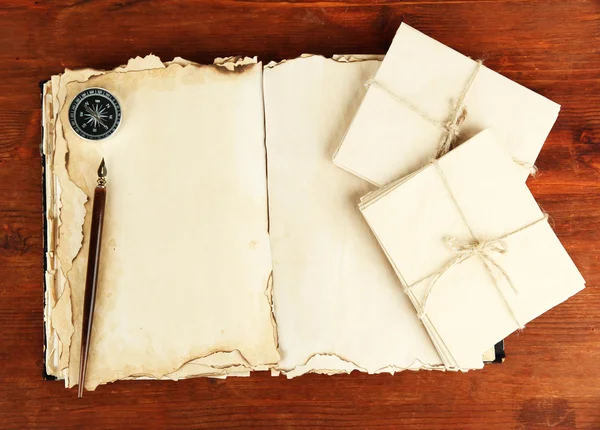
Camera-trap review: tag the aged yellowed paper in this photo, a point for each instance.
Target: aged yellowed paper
(186, 259)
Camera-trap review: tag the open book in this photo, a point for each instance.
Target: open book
(231, 241)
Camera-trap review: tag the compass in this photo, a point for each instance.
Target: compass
(94, 114)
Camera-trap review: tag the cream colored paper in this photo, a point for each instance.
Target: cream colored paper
(388, 139)
(185, 260)
(338, 304)
(466, 311)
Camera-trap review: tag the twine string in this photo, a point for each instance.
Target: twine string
(456, 117)
(473, 247)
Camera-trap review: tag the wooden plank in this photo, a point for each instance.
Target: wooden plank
(551, 377)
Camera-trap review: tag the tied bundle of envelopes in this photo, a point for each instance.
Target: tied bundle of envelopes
(313, 215)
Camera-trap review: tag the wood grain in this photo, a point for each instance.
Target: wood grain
(552, 375)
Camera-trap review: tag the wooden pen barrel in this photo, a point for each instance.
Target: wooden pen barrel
(91, 278)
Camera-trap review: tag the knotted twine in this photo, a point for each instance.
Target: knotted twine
(473, 247)
(457, 115)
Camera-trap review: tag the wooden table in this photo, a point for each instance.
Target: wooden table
(552, 375)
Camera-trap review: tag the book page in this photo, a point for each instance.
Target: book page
(338, 303)
(185, 264)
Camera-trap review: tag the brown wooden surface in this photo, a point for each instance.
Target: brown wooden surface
(552, 375)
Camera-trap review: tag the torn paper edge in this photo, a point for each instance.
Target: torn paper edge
(91, 384)
(337, 58)
(348, 367)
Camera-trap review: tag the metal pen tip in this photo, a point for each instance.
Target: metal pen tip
(102, 171)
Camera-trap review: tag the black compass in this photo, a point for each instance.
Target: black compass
(94, 114)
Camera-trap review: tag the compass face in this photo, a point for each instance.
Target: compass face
(94, 114)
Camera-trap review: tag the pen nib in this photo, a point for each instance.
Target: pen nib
(102, 170)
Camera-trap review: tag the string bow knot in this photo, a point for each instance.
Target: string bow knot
(475, 247)
(484, 249)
